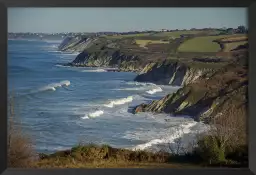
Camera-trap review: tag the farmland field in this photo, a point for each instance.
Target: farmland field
(202, 44)
(176, 34)
(143, 43)
(128, 35)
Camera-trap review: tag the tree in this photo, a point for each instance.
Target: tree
(230, 30)
(241, 29)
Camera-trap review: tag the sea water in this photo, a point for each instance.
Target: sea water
(60, 106)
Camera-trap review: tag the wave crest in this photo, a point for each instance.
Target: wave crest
(59, 65)
(153, 91)
(139, 83)
(119, 102)
(93, 114)
(53, 86)
(179, 133)
(95, 70)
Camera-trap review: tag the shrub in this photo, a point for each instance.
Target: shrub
(19, 148)
(226, 142)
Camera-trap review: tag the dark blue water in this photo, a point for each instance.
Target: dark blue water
(62, 106)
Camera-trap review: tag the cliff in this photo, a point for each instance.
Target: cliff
(209, 85)
(110, 58)
(170, 72)
(152, 63)
(207, 97)
(76, 44)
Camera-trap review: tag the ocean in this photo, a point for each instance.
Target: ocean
(60, 107)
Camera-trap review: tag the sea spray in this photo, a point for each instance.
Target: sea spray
(93, 114)
(94, 70)
(181, 130)
(119, 102)
(53, 86)
(153, 91)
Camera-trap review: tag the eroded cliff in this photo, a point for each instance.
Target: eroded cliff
(207, 97)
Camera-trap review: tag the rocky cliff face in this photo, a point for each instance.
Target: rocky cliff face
(110, 58)
(205, 98)
(126, 56)
(172, 73)
(207, 89)
(76, 44)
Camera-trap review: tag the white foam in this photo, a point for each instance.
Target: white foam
(53, 86)
(66, 83)
(95, 70)
(66, 53)
(183, 129)
(153, 91)
(119, 102)
(93, 114)
(52, 41)
(131, 89)
(55, 51)
(140, 83)
(59, 65)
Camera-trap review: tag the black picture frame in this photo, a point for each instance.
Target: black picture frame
(131, 3)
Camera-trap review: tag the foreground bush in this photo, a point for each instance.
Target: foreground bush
(19, 147)
(226, 143)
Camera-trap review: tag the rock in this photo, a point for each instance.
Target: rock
(203, 99)
(139, 108)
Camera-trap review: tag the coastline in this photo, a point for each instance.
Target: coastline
(176, 72)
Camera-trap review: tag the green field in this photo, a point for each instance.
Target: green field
(127, 36)
(143, 43)
(202, 44)
(176, 34)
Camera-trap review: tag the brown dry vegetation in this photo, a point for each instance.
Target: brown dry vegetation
(226, 142)
(234, 38)
(20, 153)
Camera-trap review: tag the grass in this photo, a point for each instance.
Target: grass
(235, 38)
(230, 46)
(203, 44)
(126, 36)
(93, 156)
(143, 43)
(176, 34)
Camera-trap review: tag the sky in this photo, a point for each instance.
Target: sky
(52, 20)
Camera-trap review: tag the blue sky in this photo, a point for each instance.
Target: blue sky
(121, 19)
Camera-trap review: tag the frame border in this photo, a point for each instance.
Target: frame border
(132, 3)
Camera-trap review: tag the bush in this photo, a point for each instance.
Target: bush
(19, 148)
(226, 142)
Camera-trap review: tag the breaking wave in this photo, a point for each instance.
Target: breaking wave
(170, 140)
(95, 70)
(131, 89)
(53, 86)
(59, 65)
(119, 102)
(153, 91)
(93, 114)
(139, 83)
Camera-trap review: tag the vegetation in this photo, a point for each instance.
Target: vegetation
(143, 43)
(226, 142)
(202, 44)
(19, 147)
(233, 45)
(224, 145)
(127, 35)
(176, 34)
